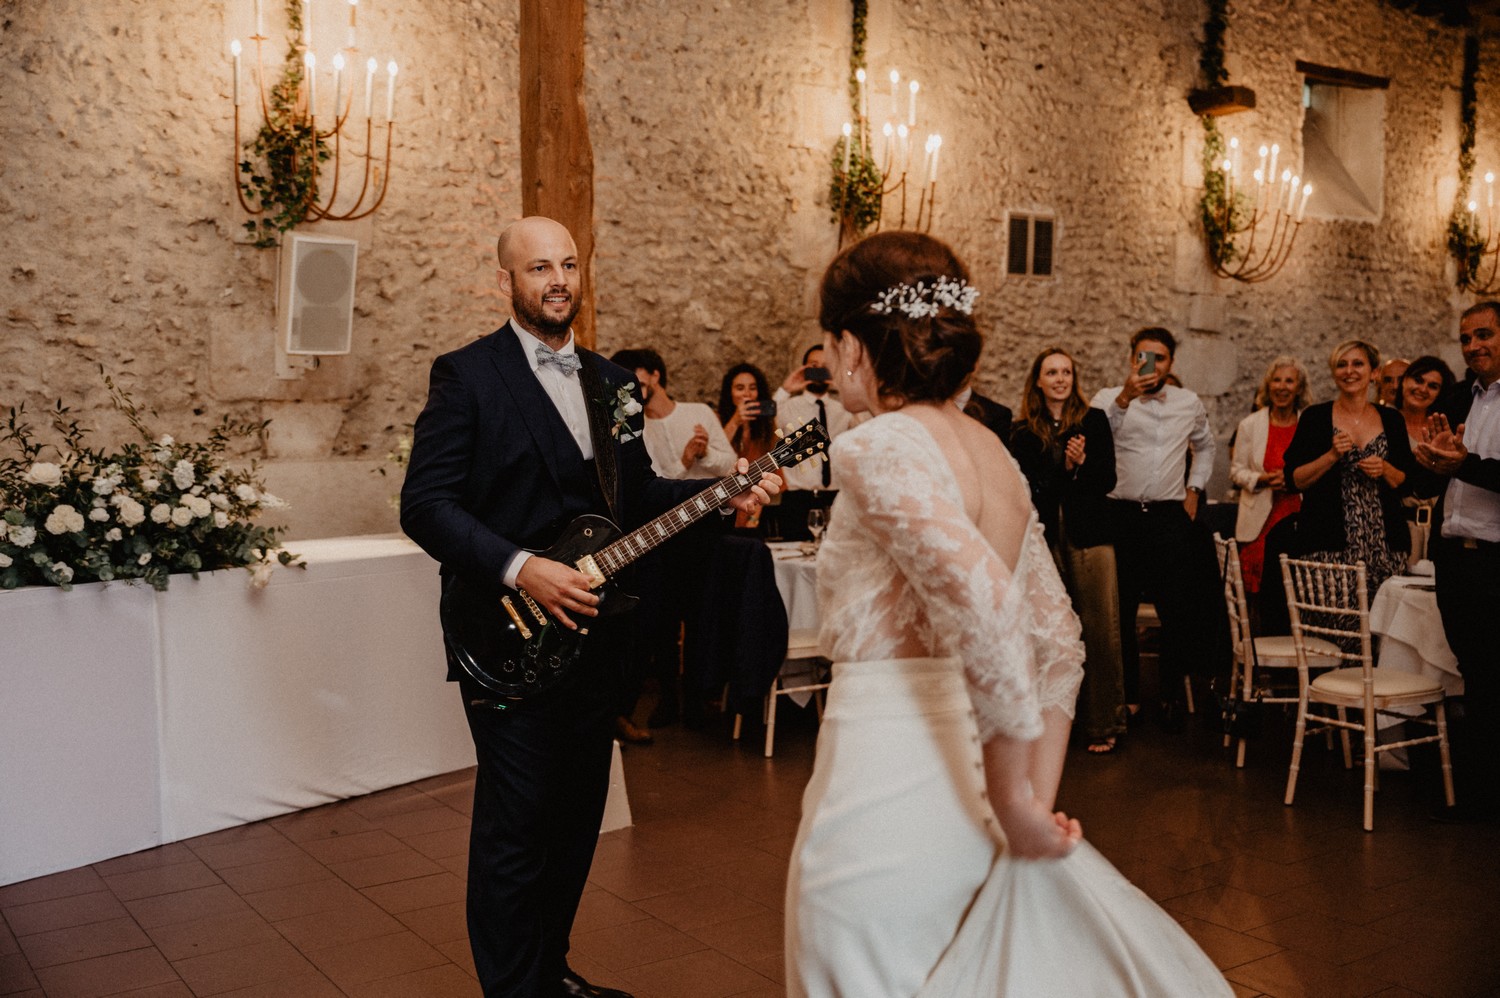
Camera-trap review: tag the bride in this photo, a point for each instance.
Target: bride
(929, 861)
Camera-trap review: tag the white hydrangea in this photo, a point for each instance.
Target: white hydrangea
(221, 519)
(64, 519)
(200, 506)
(43, 473)
(181, 516)
(161, 513)
(246, 493)
(23, 537)
(104, 486)
(131, 512)
(113, 534)
(220, 500)
(99, 514)
(183, 475)
(150, 485)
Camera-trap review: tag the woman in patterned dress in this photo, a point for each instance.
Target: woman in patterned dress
(1350, 459)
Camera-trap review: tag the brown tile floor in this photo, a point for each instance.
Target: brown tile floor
(365, 897)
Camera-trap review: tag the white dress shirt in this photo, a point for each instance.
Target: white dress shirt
(666, 437)
(792, 411)
(566, 393)
(1469, 510)
(1152, 437)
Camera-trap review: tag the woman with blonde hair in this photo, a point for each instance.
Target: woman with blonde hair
(1350, 459)
(1256, 465)
(1067, 453)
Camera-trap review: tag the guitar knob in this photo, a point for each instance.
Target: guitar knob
(509, 666)
(554, 661)
(530, 677)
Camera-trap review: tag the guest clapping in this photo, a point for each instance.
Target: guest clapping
(1425, 381)
(1350, 459)
(1067, 453)
(1256, 465)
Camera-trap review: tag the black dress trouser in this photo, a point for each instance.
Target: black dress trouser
(1468, 593)
(538, 800)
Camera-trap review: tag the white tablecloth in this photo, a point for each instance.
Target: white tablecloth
(1405, 615)
(797, 580)
(131, 718)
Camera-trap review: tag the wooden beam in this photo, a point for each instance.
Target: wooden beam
(557, 159)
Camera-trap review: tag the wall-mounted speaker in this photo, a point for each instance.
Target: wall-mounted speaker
(317, 294)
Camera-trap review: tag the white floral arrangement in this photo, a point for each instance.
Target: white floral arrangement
(151, 509)
(919, 300)
(625, 406)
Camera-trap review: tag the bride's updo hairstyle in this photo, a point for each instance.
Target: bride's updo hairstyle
(900, 293)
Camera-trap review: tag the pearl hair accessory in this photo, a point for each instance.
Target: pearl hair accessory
(919, 300)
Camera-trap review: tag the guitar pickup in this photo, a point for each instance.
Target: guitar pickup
(589, 567)
(510, 608)
(536, 611)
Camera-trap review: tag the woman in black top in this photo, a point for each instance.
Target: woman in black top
(1067, 453)
(1350, 459)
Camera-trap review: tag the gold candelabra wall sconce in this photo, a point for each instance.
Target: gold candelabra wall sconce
(1252, 226)
(280, 171)
(877, 181)
(1480, 271)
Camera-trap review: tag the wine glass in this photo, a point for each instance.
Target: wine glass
(817, 520)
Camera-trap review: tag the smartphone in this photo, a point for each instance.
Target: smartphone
(818, 374)
(1146, 362)
(767, 409)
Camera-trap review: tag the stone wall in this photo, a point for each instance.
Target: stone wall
(713, 124)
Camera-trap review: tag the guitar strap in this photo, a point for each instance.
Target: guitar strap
(597, 393)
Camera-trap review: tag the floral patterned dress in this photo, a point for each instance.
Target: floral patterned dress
(1364, 521)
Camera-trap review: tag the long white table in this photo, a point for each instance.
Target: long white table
(1405, 615)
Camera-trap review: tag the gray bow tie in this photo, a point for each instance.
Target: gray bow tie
(567, 363)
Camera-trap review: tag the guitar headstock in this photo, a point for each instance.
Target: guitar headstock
(807, 441)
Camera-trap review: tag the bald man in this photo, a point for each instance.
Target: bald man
(518, 438)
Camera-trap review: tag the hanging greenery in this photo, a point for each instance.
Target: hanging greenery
(854, 192)
(1219, 214)
(281, 172)
(1465, 242)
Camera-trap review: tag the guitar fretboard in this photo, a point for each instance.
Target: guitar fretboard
(669, 524)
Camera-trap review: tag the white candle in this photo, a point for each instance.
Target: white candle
(338, 84)
(234, 47)
(911, 112)
(895, 82)
(390, 91)
(260, 30)
(353, 8)
(848, 145)
(1291, 192)
(937, 147)
(369, 84)
(1275, 152)
(1234, 153)
(1306, 193)
(312, 83)
(307, 24)
(864, 100)
(1489, 183)
(905, 135)
(888, 150)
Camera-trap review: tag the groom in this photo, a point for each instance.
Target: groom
(522, 432)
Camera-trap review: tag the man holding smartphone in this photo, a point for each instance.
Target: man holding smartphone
(1158, 551)
(804, 396)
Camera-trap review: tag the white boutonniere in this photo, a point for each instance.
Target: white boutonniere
(625, 406)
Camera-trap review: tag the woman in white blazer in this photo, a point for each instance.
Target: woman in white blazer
(1255, 466)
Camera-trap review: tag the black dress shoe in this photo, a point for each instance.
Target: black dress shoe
(573, 986)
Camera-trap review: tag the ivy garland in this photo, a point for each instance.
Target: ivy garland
(1218, 214)
(854, 194)
(284, 185)
(1465, 242)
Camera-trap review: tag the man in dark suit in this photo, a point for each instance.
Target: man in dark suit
(523, 432)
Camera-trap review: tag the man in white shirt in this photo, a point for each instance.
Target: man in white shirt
(804, 396)
(1159, 553)
(684, 439)
(1464, 441)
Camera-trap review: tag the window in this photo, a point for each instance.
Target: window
(1343, 142)
(1030, 248)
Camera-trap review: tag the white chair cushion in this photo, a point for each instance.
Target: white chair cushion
(1280, 651)
(1388, 683)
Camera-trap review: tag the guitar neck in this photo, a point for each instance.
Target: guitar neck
(614, 557)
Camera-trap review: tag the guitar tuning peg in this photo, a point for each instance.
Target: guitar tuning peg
(779, 432)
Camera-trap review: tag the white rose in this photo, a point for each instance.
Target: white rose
(200, 506)
(182, 474)
(166, 440)
(64, 520)
(22, 537)
(63, 571)
(98, 514)
(144, 559)
(131, 512)
(161, 513)
(631, 408)
(221, 519)
(5, 561)
(260, 575)
(113, 534)
(245, 493)
(150, 485)
(182, 516)
(104, 486)
(220, 500)
(44, 473)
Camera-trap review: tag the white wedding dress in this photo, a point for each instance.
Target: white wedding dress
(900, 884)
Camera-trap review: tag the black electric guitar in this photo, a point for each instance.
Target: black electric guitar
(509, 644)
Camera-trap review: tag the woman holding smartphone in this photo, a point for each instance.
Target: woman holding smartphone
(1350, 459)
(749, 417)
(1067, 453)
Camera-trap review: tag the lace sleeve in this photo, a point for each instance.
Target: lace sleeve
(901, 495)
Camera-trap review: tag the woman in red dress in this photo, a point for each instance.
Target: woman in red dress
(1256, 465)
